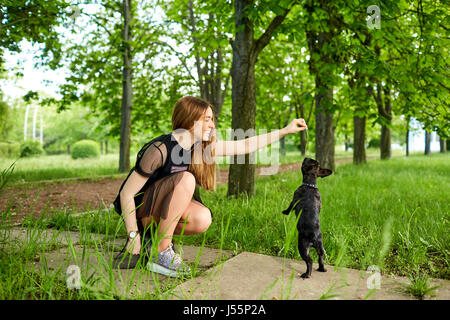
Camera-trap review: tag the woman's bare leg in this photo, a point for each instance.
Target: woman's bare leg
(198, 222)
(181, 198)
(196, 219)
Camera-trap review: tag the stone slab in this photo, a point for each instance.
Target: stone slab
(95, 267)
(24, 236)
(252, 276)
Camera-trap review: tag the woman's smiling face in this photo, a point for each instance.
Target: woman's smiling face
(206, 123)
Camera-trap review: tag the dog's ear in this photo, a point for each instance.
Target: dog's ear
(324, 173)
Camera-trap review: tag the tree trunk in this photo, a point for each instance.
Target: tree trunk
(384, 112)
(385, 143)
(442, 145)
(101, 146)
(324, 125)
(427, 143)
(303, 141)
(325, 128)
(283, 146)
(346, 142)
(359, 140)
(106, 146)
(408, 119)
(125, 123)
(241, 177)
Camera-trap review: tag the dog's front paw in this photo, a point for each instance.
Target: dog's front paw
(322, 269)
(305, 275)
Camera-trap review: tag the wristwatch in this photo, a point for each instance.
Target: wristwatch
(132, 235)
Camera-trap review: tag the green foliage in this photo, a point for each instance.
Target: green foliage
(409, 51)
(419, 286)
(31, 148)
(35, 21)
(9, 150)
(96, 64)
(85, 149)
(5, 174)
(6, 123)
(374, 143)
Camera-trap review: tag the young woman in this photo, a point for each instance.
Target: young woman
(161, 185)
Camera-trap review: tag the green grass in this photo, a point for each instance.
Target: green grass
(393, 214)
(60, 167)
(419, 286)
(55, 167)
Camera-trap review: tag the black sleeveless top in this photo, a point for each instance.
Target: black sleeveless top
(176, 159)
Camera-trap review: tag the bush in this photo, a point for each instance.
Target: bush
(85, 149)
(374, 143)
(54, 150)
(31, 148)
(9, 150)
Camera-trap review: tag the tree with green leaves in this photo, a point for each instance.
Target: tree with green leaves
(284, 87)
(6, 123)
(113, 71)
(249, 19)
(203, 27)
(35, 21)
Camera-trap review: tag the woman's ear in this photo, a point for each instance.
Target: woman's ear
(324, 173)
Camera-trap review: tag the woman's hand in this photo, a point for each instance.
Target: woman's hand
(296, 125)
(134, 246)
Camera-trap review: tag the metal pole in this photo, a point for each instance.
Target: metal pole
(41, 132)
(34, 122)
(25, 124)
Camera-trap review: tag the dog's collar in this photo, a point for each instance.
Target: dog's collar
(310, 185)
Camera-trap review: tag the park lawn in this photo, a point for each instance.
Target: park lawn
(56, 167)
(393, 214)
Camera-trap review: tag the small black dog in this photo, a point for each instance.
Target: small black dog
(307, 201)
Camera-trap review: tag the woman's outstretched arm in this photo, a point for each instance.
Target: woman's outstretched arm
(251, 144)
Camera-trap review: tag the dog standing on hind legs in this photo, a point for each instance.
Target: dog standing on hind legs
(307, 201)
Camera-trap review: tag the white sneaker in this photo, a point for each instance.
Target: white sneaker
(169, 264)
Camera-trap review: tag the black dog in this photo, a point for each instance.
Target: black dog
(307, 201)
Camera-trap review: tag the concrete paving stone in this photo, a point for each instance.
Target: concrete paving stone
(96, 272)
(125, 283)
(23, 236)
(252, 276)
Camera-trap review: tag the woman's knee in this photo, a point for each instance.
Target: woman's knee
(187, 181)
(202, 220)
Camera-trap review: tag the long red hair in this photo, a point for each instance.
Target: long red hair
(187, 110)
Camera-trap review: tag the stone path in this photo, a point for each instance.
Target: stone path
(93, 254)
(219, 274)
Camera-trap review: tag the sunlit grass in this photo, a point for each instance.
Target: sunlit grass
(393, 214)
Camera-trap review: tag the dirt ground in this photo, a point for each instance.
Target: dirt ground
(80, 196)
